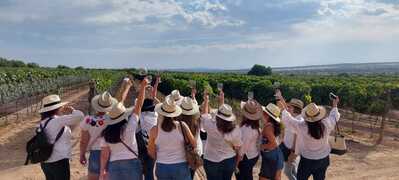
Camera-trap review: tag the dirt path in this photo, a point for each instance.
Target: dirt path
(15, 135)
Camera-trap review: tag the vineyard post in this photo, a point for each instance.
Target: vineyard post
(384, 115)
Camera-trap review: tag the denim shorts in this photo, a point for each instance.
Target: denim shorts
(272, 161)
(129, 169)
(179, 171)
(95, 161)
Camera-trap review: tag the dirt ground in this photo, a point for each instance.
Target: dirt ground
(363, 161)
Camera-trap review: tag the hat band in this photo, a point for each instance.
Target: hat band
(223, 114)
(246, 110)
(51, 104)
(103, 106)
(167, 111)
(318, 113)
(117, 117)
(186, 109)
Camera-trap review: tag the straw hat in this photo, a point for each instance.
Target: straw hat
(251, 110)
(51, 102)
(273, 111)
(169, 108)
(119, 113)
(296, 102)
(189, 106)
(313, 112)
(225, 112)
(175, 95)
(103, 102)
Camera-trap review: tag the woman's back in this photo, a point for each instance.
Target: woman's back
(170, 146)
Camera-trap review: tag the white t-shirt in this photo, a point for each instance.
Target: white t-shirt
(118, 150)
(94, 125)
(170, 146)
(250, 139)
(218, 146)
(307, 146)
(289, 134)
(62, 148)
(147, 121)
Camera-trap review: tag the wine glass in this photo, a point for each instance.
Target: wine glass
(250, 95)
(220, 87)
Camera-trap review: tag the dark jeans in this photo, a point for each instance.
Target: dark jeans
(315, 168)
(58, 170)
(246, 168)
(220, 170)
(149, 167)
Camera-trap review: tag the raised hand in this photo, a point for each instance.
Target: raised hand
(335, 102)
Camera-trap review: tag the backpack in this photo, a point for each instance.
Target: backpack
(39, 149)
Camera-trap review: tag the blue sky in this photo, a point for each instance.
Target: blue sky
(227, 34)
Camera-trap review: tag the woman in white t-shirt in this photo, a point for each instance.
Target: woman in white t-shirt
(190, 115)
(166, 143)
(312, 134)
(223, 143)
(56, 125)
(250, 134)
(119, 145)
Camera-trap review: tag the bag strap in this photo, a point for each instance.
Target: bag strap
(60, 133)
(130, 149)
(45, 124)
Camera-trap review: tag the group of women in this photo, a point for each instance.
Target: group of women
(148, 140)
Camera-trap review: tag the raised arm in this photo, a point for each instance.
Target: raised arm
(193, 93)
(140, 97)
(334, 116)
(205, 109)
(123, 90)
(155, 88)
(221, 98)
(73, 116)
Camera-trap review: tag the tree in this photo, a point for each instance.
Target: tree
(62, 67)
(260, 70)
(79, 68)
(32, 65)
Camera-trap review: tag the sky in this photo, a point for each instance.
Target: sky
(219, 34)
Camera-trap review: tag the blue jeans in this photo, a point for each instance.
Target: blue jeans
(220, 170)
(94, 162)
(246, 167)
(179, 171)
(129, 169)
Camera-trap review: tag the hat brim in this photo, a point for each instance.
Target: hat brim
(178, 99)
(271, 115)
(322, 115)
(127, 113)
(53, 107)
(194, 111)
(256, 116)
(158, 109)
(98, 108)
(295, 105)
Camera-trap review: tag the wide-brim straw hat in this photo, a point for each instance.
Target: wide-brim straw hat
(119, 113)
(51, 102)
(103, 102)
(273, 111)
(297, 103)
(225, 112)
(168, 108)
(313, 113)
(189, 106)
(175, 95)
(251, 110)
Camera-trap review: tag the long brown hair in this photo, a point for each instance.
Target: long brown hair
(254, 124)
(276, 125)
(168, 124)
(192, 122)
(224, 126)
(316, 129)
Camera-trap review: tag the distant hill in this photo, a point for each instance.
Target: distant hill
(349, 68)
